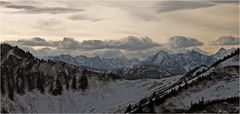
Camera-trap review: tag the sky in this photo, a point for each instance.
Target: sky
(109, 26)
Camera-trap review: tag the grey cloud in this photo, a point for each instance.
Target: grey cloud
(48, 25)
(183, 42)
(4, 3)
(83, 17)
(53, 10)
(131, 47)
(227, 1)
(128, 43)
(108, 53)
(33, 42)
(67, 44)
(168, 6)
(131, 9)
(94, 44)
(226, 40)
(25, 7)
(134, 43)
(36, 10)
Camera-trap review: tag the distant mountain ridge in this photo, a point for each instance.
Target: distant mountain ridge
(96, 62)
(163, 62)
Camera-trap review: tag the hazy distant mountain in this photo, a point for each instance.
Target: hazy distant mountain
(181, 62)
(193, 59)
(161, 64)
(165, 61)
(96, 62)
(142, 71)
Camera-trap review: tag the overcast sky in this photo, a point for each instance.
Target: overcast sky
(52, 20)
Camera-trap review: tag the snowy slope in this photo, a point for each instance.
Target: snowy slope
(32, 85)
(142, 71)
(102, 96)
(220, 81)
(206, 91)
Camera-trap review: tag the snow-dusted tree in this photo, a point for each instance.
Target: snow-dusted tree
(40, 84)
(74, 83)
(83, 80)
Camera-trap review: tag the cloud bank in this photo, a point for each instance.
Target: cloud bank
(128, 43)
(168, 6)
(36, 41)
(183, 42)
(131, 46)
(84, 17)
(32, 9)
(226, 40)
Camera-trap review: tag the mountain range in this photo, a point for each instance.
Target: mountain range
(29, 84)
(161, 64)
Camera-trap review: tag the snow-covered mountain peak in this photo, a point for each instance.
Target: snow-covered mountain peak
(65, 55)
(162, 52)
(222, 52)
(160, 55)
(97, 57)
(81, 56)
(157, 58)
(193, 52)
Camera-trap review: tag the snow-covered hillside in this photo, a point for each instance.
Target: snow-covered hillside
(102, 96)
(220, 81)
(32, 85)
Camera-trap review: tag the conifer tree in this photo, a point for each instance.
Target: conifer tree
(3, 91)
(59, 87)
(129, 108)
(74, 83)
(40, 84)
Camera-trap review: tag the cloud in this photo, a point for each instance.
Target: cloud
(109, 53)
(226, 40)
(128, 43)
(83, 17)
(37, 10)
(183, 42)
(168, 6)
(36, 41)
(67, 44)
(227, 1)
(132, 46)
(48, 25)
(4, 3)
(133, 43)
